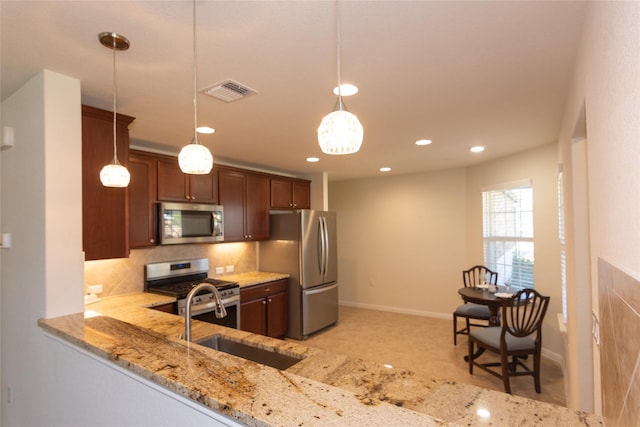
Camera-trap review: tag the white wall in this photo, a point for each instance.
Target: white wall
(607, 83)
(42, 276)
(403, 241)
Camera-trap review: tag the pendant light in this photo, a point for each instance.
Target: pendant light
(114, 174)
(194, 158)
(340, 131)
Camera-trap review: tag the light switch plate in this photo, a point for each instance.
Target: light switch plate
(229, 268)
(219, 270)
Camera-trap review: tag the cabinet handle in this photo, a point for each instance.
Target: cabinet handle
(270, 300)
(267, 290)
(151, 240)
(264, 302)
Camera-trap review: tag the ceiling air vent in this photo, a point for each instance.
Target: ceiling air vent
(229, 91)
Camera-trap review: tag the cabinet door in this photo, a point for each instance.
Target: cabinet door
(253, 315)
(171, 308)
(257, 207)
(281, 194)
(172, 182)
(142, 190)
(301, 194)
(277, 315)
(231, 197)
(105, 228)
(203, 188)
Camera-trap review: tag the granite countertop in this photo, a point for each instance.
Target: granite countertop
(253, 278)
(322, 389)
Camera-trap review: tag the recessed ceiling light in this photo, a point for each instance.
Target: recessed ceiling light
(312, 159)
(424, 142)
(385, 169)
(346, 89)
(205, 129)
(477, 149)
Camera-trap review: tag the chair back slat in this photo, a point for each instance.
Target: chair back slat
(523, 314)
(476, 274)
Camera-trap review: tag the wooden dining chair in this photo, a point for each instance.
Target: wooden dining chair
(520, 335)
(472, 277)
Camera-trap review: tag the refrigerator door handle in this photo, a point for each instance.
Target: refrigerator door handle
(321, 248)
(326, 247)
(324, 289)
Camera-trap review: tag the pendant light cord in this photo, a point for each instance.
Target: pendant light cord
(338, 50)
(195, 78)
(115, 91)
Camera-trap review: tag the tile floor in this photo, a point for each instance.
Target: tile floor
(425, 346)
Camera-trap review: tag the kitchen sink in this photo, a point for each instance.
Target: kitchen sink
(250, 352)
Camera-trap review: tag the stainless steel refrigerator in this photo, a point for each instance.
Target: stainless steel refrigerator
(303, 244)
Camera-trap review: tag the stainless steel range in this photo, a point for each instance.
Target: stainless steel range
(177, 278)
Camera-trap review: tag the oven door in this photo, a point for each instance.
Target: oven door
(231, 320)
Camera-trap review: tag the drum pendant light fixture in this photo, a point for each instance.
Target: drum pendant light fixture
(340, 131)
(114, 174)
(194, 158)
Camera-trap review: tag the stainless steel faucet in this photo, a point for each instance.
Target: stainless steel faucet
(219, 309)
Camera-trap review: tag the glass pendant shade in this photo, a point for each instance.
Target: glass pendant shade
(115, 175)
(195, 159)
(340, 132)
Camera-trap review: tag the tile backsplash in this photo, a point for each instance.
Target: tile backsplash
(126, 275)
(619, 345)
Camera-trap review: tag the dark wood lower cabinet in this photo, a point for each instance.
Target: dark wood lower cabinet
(171, 307)
(253, 315)
(264, 308)
(277, 314)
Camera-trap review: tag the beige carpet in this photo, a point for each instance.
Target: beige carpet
(425, 346)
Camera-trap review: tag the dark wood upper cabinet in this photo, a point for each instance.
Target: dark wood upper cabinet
(105, 228)
(289, 193)
(176, 186)
(257, 206)
(245, 197)
(142, 197)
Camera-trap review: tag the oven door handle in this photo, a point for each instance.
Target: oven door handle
(201, 308)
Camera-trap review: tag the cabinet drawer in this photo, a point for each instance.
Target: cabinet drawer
(263, 290)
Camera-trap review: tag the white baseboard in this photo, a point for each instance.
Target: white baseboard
(551, 355)
(396, 310)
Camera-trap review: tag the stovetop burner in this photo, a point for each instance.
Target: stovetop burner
(181, 289)
(177, 278)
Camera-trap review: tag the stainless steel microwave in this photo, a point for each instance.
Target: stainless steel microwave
(190, 223)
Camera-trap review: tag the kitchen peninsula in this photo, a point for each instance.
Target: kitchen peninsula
(322, 389)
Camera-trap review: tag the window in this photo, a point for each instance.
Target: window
(508, 233)
(563, 244)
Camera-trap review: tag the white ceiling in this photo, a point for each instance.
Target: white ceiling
(459, 73)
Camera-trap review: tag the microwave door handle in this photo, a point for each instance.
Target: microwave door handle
(213, 223)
